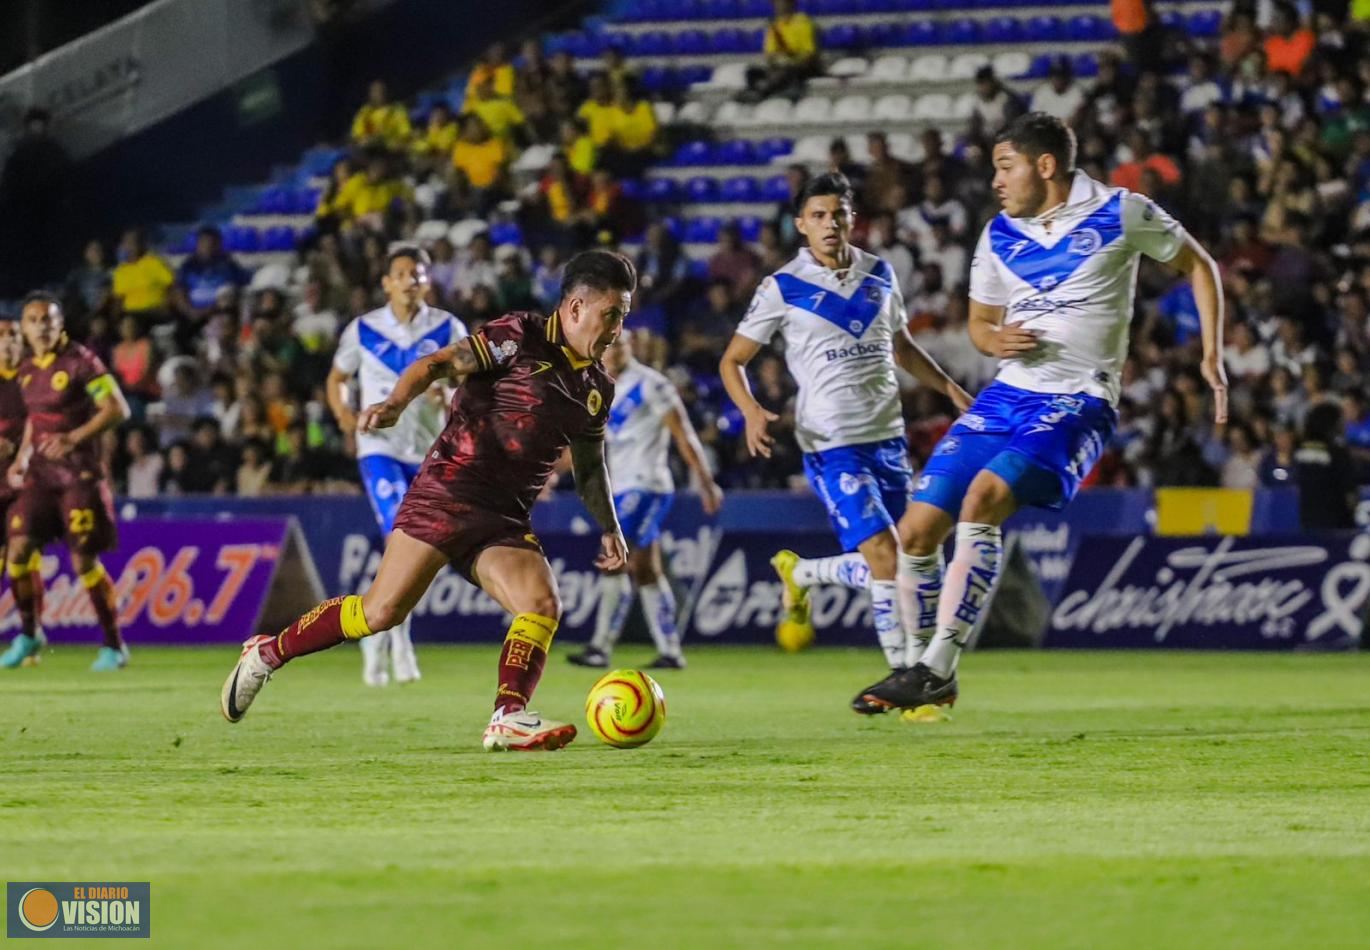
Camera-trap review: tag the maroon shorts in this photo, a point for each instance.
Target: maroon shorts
(459, 529)
(79, 512)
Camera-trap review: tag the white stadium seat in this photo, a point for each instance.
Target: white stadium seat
(727, 76)
(963, 106)
(848, 67)
(966, 65)
(693, 113)
(534, 158)
(906, 146)
(1011, 64)
(933, 107)
(772, 111)
(888, 69)
(851, 109)
(733, 112)
(895, 107)
(931, 67)
(810, 149)
(812, 109)
(431, 230)
(665, 112)
(463, 231)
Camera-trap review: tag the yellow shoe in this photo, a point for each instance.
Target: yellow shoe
(794, 598)
(926, 714)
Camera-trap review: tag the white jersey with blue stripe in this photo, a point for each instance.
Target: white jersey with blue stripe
(1071, 274)
(376, 348)
(838, 330)
(636, 437)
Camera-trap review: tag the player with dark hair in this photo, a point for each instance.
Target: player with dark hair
(70, 398)
(376, 348)
(529, 386)
(841, 315)
(13, 417)
(1051, 297)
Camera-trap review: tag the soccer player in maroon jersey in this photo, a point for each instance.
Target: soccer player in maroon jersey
(530, 385)
(70, 399)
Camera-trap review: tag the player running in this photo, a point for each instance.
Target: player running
(530, 385)
(1051, 291)
(841, 315)
(646, 417)
(70, 398)
(376, 348)
(12, 420)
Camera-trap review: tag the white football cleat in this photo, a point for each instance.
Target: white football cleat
(247, 679)
(375, 659)
(525, 731)
(402, 658)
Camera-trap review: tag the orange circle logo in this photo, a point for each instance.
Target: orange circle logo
(38, 908)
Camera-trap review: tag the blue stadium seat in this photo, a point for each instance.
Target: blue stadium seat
(717, 9)
(921, 33)
(699, 270)
(701, 189)
(185, 244)
(729, 41)
(754, 8)
(656, 80)
(272, 200)
(1043, 29)
(663, 191)
(691, 42)
(1206, 23)
(278, 239)
(634, 189)
(692, 153)
(879, 35)
(775, 189)
(702, 230)
(842, 37)
(961, 32)
(305, 200)
(240, 239)
(1172, 20)
(1001, 29)
(739, 189)
(673, 227)
(771, 149)
(735, 152)
(505, 232)
(1085, 65)
(655, 43)
(756, 41)
(750, 227)
(1085, 27)
(1041, 65)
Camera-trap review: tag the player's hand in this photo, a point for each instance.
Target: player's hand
(759, 441)
(613, 551)
(57, 445)
(14, 475)
(958, 396)
(1013, 340)
(1216, 376)
(710, 497)
(382, 415)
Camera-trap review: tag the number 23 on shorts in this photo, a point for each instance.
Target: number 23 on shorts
(81, 520)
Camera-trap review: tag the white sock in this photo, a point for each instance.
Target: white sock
(615, 599)
(970, 577)
(399, 635)
(658, 603)
(885, 612)
(848, 570)
(920, 587)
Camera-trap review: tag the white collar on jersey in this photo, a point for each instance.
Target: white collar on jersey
(414, 321)
(859, 267)
(1082, 189)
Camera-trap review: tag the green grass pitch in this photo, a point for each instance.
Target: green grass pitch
(1079, 800)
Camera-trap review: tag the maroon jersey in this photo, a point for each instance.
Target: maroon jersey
(11, 425)
(512, 418)
(59, 392)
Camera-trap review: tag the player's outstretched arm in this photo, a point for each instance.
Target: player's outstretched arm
(1196, 264)
(592, 485)
(450, 362)
(733, 369)
(914, 360)
(692, 451)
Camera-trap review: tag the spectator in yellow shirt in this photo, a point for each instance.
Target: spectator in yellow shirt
(142, 281)
(598, 111)
(481, 163)
(504, 119)
(493, 67)
(373, 194)
(635, 128)
(380, 122)
(791, 49)
(438, 139)
(580, 149)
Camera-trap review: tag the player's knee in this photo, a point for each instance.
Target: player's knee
(882, 554)
(641, 568)
(382, 613)
(544, 604)
(988, 497)
(919, 536)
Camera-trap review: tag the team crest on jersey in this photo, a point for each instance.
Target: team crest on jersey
(972, 420)
(60, 380)
(427, 347)
(1085, 242)
(948, 446)
(504, 352)
(594, 402)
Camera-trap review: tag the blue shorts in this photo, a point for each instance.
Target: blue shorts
(864, 487)
(385, 480)
(1041, 444)
(640, 514)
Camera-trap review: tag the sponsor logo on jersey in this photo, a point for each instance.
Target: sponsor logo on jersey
(504, 352)
(948, 446)
(542, 367)
(60, 380)
(857, 349)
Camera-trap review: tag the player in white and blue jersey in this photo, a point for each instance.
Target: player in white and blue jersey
(375, 349)
(645, 418)
(1051, 295)
(840, 314)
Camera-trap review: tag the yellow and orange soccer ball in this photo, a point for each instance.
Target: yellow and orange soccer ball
(625, 709)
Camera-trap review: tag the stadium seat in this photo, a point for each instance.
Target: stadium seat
(463, 231)
(1083, 28)
(505, 232)
(278, 239)
(1001, 29)
(775, 188)
(887, 69)
(842, 37)
(964, 66)
(701, 190)
(693, 113)
(895, 107)
(687, 76)
(735, 152)
(812, 109)
(673, 227)
(728, 76)
(906, 146)
(663, 191)
(305, 200)
(702, 230)
(633, 189)
(963, 106)
(656, 80)
(733, 112)
(692, 43)
(772, 112)
(854, 108)
(810, 150)
(1011, 64)
(1043, 29)
(729, 41)
(930, 67)
(921, 33)
(1205, 23)
(534, 158)
(771, 150)
(691, 153)
(848, 67)
(664, 112)
(431, 230)
(1086, 65)
(961, 32)
(1173, 20)
(273, 199)
(750, 227)
(1041, 65)
(241, 239)
(933, 107)
(739, 189)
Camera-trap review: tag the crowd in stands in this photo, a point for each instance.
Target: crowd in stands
(1259, 143)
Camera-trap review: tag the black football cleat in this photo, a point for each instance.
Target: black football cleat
(663, 662)
(592, 657)
(869, 702)
(917, 686)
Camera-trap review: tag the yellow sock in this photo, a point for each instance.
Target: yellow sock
(93, 576)
(533, 630)
(352, 620)
(19, 570)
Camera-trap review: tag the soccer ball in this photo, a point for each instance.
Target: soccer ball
(625, 708)
(793, 637)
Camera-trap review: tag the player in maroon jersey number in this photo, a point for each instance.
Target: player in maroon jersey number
(530, 385)
(70, 398)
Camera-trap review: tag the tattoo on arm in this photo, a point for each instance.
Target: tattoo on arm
(592, 482)
(463, 360)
